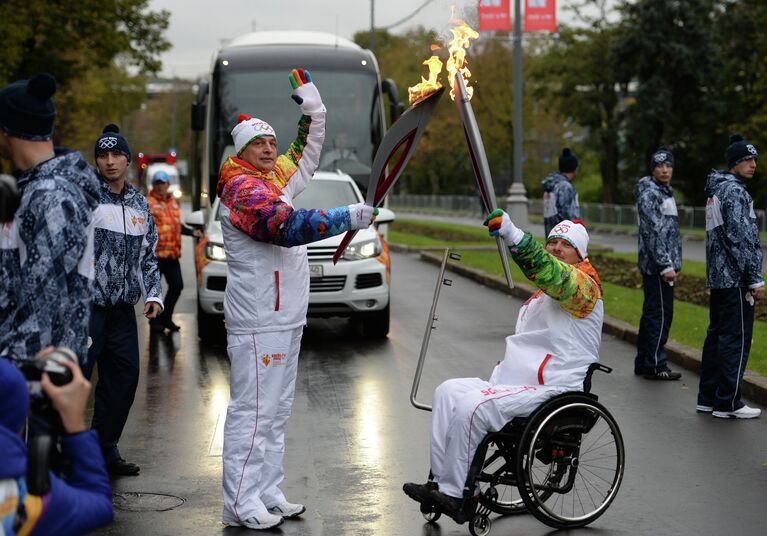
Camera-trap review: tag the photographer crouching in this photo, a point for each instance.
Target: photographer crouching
(33, 500)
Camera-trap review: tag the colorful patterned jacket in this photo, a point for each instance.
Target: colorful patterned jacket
(560, 201)
(167, 219)
(733, 249)
(46, 259)
(126, 266)
(660, 244)
(559, 329)
(267, 269)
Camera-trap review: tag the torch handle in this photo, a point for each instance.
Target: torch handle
(504, 252)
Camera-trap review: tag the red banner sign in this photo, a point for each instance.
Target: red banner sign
(540, 15)
(494, 15)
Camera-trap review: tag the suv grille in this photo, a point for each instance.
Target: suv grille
(320, 254)
(331, 283)
(368, 280)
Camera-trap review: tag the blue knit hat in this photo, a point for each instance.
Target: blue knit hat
(112, 141)
(661, 156)
(739, 150)
(26, 108)
(568, 162)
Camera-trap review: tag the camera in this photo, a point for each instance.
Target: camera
(9, 198)
(50, 363)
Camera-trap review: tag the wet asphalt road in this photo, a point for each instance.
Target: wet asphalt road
(354, 438)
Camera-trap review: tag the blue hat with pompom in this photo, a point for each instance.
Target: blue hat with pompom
(26, 108)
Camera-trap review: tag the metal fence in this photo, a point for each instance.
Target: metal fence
(469, 205)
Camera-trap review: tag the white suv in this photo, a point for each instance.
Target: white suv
(357, 287)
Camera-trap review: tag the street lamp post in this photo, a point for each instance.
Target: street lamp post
(516, 201)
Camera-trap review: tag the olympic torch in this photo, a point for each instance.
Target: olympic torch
(479, 164)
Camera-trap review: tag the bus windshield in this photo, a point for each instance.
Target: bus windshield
(353, 123)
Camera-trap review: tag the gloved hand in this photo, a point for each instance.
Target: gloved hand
(305, 93)
(499, 224)
(361, 215)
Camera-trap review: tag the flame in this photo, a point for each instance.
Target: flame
(426, 86)
(456, 63)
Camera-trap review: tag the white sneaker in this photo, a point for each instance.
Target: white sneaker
(745, 412)
(704, 409)
(258, 522)
(287, 510)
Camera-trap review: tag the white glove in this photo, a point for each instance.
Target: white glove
(499, 224)
(361, 215)
(305, 93)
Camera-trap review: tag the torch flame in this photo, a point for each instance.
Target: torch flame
(426, 86)
(456, 63)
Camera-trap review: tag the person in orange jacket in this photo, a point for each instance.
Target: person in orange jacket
(167, 216)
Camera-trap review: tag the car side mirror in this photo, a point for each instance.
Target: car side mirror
(195, 219)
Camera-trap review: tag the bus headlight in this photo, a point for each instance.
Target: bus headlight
(215, 252)
(363, 250)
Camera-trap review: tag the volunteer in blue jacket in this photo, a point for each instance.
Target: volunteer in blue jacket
(46, 252)
(660, 260)
(126, 269)
(560, 200)
(734, 270)
(75, 505)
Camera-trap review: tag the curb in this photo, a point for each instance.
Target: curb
(754, 385)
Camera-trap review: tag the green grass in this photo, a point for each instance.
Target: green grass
(690, 321)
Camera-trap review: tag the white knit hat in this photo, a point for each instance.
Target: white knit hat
(248, 129)
(575, 233)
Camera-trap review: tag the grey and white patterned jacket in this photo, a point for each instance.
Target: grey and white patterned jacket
(46, 259)
(660, 244)
(733, 248)
(126, 266)
(560, 201)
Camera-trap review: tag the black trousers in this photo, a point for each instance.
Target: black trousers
(114, 348)
(725, 352)
(171, 270)
(657, 314)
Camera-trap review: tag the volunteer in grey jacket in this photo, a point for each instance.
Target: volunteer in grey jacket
(46, 252)
(734, 269)
(660, 260)
(560, 200)
(126, 269)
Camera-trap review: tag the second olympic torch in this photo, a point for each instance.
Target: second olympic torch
(479, 164)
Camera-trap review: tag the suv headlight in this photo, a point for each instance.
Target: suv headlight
(363, 250)
(215, 251)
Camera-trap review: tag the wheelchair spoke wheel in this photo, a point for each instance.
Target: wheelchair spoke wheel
(480, 525)
(498, 472)
(570, 462)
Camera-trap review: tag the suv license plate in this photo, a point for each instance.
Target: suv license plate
(315, 270)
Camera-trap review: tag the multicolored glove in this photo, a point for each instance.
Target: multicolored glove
(361, 215)
(499, 224)
(305, 93)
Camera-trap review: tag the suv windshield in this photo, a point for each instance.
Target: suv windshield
(353, 114)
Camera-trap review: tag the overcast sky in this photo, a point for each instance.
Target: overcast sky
(198, 26)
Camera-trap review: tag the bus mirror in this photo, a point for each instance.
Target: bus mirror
(198, 116)
(396, 108)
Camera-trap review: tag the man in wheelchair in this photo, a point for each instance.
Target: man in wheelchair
(557, 337)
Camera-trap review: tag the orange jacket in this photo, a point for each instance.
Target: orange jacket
(167, 218)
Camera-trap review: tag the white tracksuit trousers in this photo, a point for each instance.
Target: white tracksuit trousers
(464, 410)
(262, 386)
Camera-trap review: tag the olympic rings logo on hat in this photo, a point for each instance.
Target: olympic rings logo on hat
(562, 228)
(660, 157)
(109, 142)
(751, 149)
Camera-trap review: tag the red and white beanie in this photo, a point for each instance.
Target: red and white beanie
(248, 129)
(575, 233)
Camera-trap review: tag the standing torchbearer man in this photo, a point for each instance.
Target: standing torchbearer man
(267, 296)
(734, 269)
(560, 200)
(660, 260)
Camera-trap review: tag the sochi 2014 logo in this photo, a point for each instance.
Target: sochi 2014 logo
(562, 228)
(110, 142)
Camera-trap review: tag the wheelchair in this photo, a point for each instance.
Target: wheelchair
(563, 464)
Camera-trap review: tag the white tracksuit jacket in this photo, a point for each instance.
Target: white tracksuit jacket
(557, 337)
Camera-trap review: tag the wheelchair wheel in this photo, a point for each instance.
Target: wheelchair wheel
(429, 514)
(480, 525)
(498, 472)
(570, 461)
